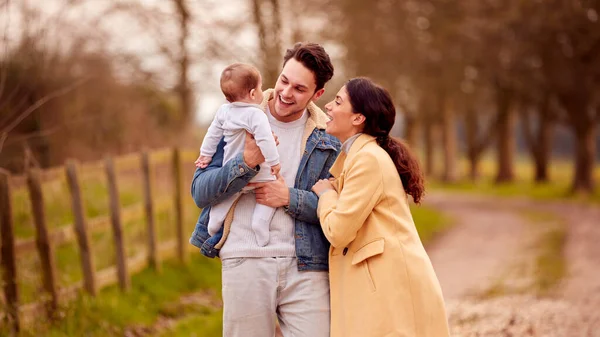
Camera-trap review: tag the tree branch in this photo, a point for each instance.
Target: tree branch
(43, 101)
(7, 118)
(3, 65)
(2, 140)
(50, 131)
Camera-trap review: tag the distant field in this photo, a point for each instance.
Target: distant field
(560, 173)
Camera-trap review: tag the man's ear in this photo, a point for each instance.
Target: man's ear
(318, 94)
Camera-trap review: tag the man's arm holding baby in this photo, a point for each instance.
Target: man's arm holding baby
(218, 182)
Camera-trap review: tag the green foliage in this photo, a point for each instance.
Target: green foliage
(429, 222)
(152, 295)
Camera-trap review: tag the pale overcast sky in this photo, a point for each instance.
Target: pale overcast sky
(124, 34)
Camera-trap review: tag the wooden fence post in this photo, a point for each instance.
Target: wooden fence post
(11, 292)
(115, 217)
(149, 207)
(42, 240)
(177, 182)
(87, 261)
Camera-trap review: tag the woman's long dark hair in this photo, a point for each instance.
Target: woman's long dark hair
(375, 103)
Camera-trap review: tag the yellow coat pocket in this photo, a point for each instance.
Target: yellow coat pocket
(369, 250)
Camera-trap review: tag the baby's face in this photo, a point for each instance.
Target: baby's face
(258, 93)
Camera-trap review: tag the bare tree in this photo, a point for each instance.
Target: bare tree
(539, 134)
(267, 18)
(183, 86)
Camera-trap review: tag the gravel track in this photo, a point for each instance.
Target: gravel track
(490, 248)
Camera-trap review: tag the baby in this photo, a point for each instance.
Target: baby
(242, 86)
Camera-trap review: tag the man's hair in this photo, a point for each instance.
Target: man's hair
(313, 57)
(237, 80)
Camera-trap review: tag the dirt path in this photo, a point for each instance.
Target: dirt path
(489, 250)
(582, 253)
(484, 240)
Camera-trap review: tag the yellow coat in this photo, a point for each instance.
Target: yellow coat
(382, 281)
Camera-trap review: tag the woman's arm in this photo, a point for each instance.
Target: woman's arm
(343, 214)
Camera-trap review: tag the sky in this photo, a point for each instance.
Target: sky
(125, 33)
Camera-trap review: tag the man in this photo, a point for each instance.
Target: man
(288, 277)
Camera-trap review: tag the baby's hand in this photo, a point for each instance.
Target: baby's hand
(275, 169)
(203, 161)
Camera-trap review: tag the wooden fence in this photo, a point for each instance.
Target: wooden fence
(45, 240)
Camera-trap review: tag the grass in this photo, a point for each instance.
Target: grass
(429, 222)
(103, 252)
(58, 214)
(198, 326)
(152, 296)
(549, 265)
(557, 189)
(543, 265)
(496, 289)
(57, 201)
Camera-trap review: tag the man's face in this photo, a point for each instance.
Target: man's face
(294, 89)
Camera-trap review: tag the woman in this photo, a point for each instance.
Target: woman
(382, 281)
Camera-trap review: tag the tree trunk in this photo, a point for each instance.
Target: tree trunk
(585, 154)
(276, 38)
(183, 85)
(505, 139)
(539, 142)
(543, 147)
(474, 166)
(411, 131)
(269, 39)
(471, 138)
(428, 133)
(449, 136)
(583, 118)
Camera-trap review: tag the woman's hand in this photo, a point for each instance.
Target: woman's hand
(323, 186)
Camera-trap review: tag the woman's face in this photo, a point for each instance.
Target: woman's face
(343, 123)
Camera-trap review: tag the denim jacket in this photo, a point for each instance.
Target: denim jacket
(218, 182)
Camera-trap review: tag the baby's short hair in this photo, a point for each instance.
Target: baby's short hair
(237, 80)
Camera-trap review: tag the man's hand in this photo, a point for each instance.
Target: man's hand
(252, 155)
(273, 193)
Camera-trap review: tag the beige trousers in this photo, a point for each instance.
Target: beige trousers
(257, 291)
